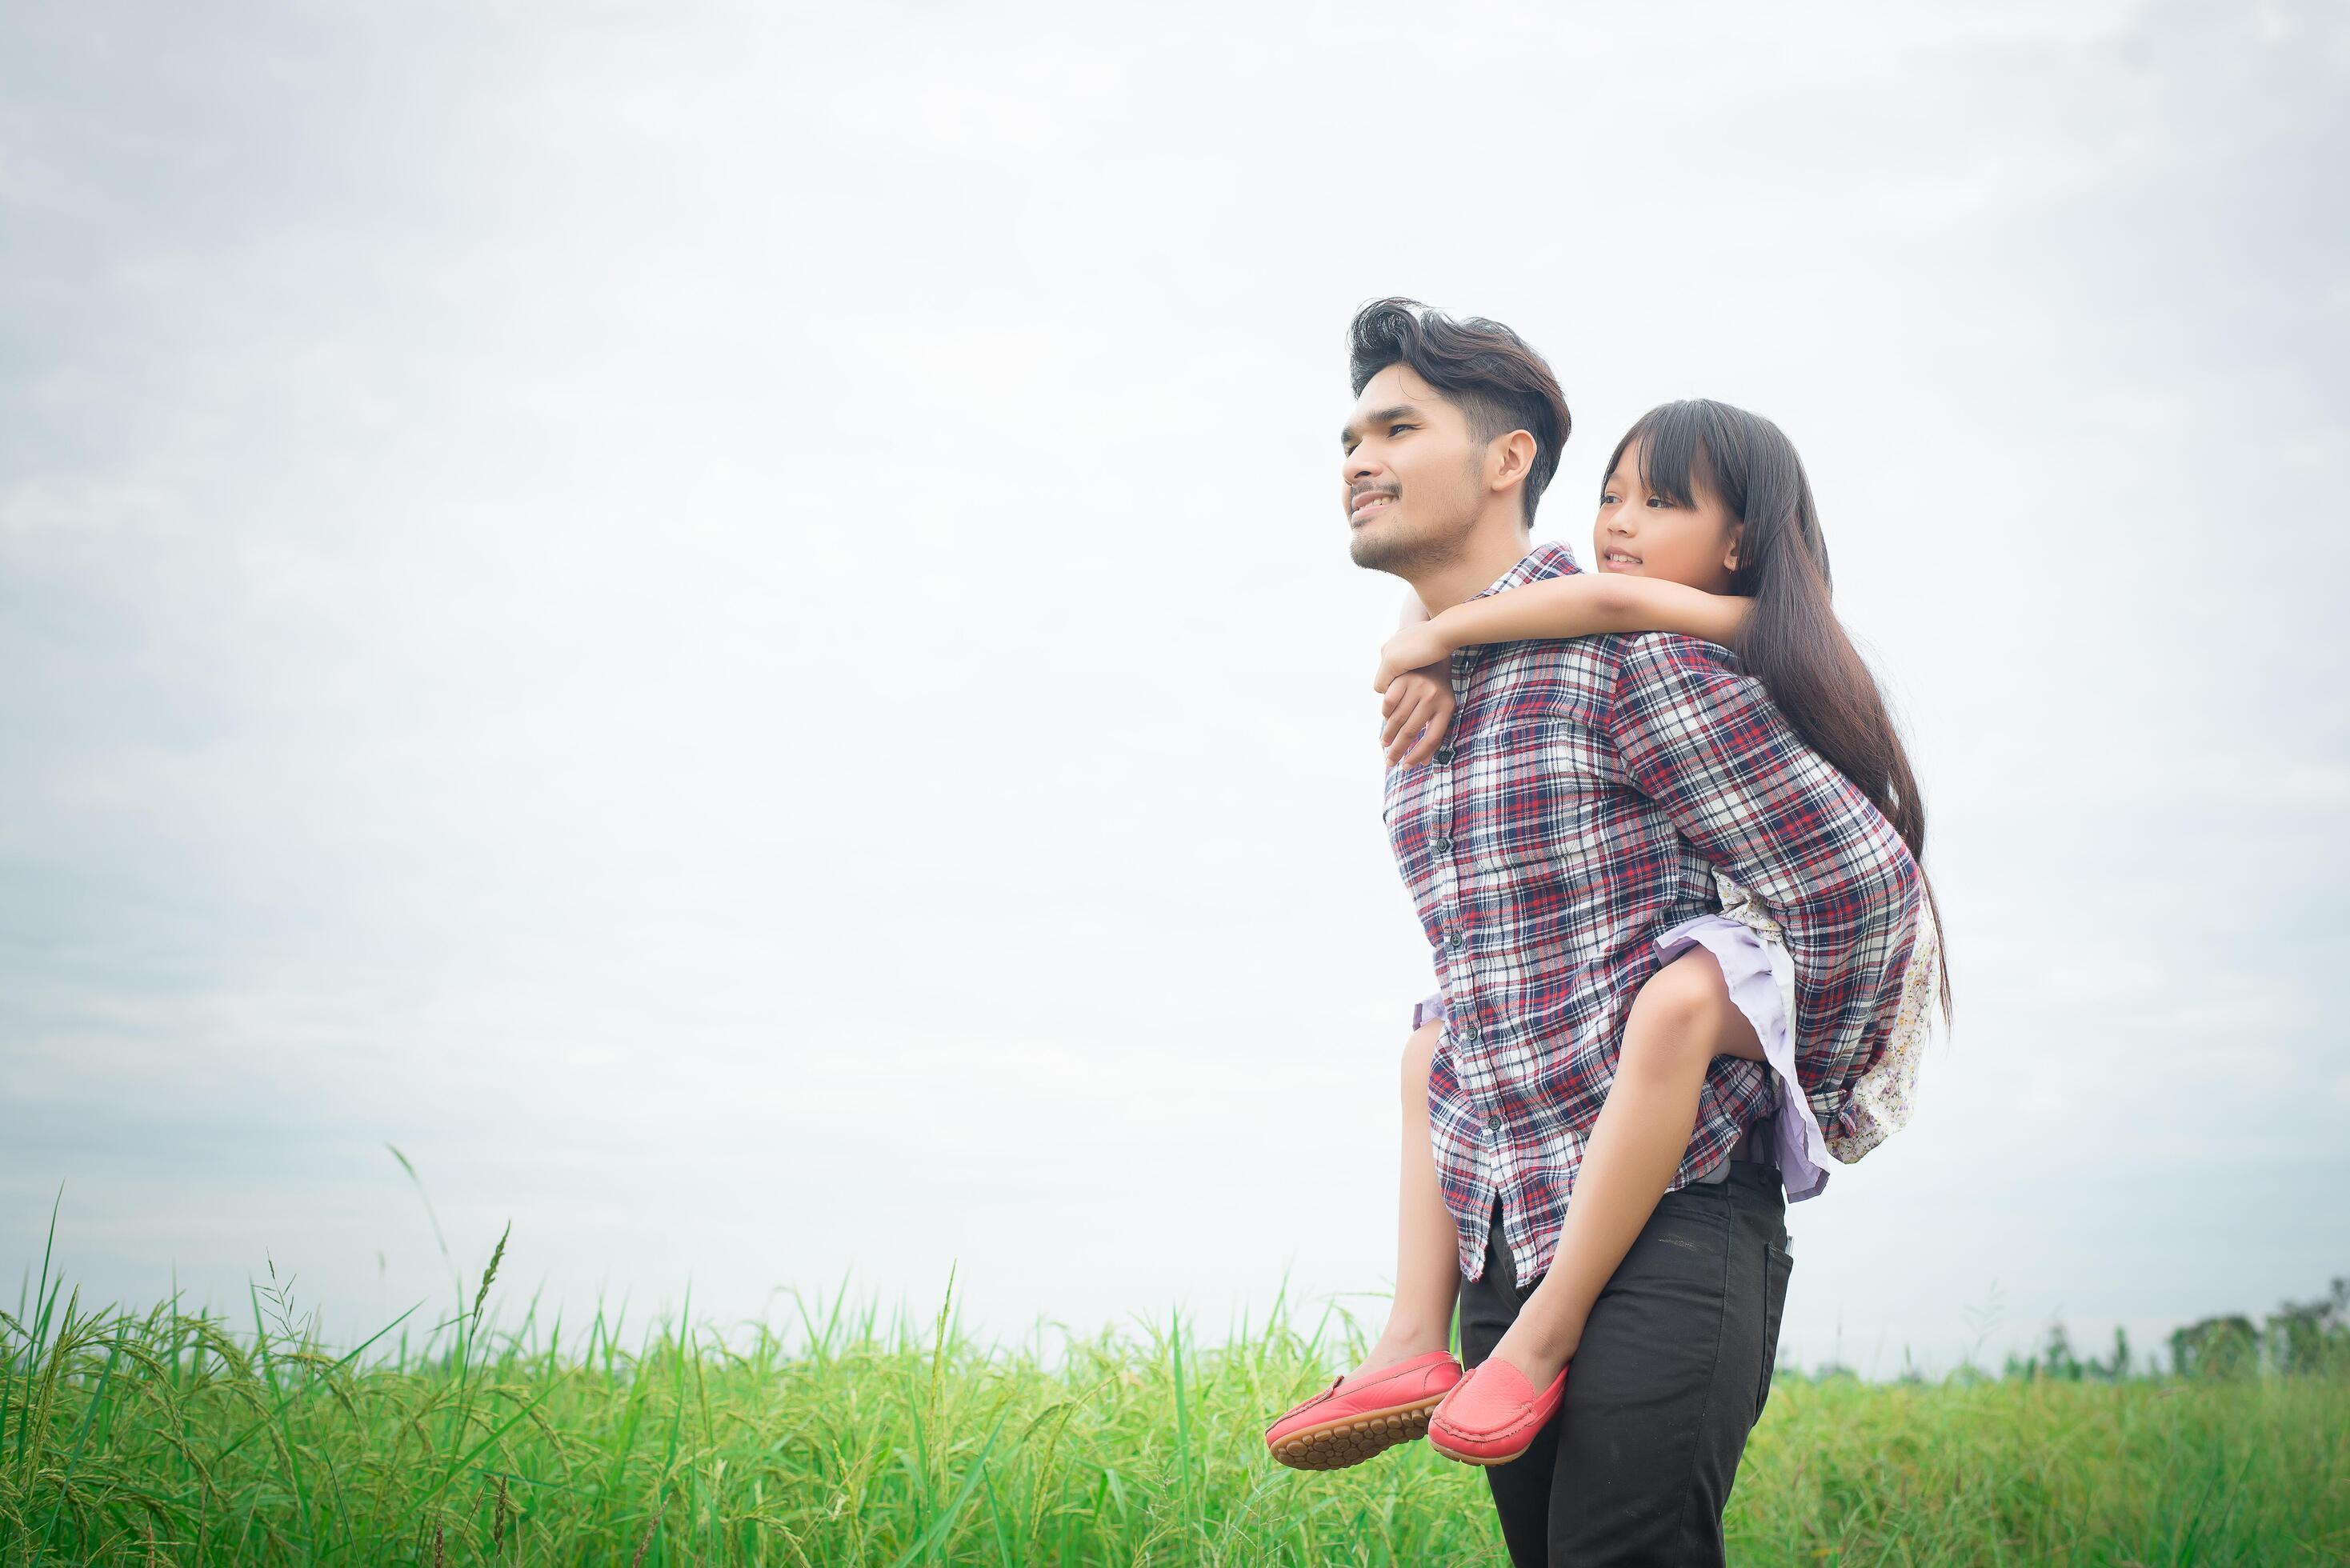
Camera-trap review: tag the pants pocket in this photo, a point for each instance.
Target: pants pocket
(1778, 1264)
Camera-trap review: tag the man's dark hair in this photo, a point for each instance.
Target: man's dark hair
(1481, 368)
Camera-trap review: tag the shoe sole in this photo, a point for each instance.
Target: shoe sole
(1475, 1458)
(1336, 1445)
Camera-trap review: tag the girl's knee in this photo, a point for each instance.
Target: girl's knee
(1682, 1013)
(1690, 987)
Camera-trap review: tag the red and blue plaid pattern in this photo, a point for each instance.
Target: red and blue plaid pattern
(1577, 807)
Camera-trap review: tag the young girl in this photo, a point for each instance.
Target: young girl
(1706, 528)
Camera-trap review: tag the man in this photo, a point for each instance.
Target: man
(1576, 809)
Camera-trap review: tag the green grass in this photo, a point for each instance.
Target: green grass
(161, 1436)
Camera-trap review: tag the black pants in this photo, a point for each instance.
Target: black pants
(1671, 1376)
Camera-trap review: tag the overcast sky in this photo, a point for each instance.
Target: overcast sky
(731, 625)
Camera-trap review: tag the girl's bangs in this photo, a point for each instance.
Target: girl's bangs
(1673, 456)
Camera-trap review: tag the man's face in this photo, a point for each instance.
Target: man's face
(1413, 480)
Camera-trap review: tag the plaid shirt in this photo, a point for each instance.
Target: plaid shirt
(1587, 790)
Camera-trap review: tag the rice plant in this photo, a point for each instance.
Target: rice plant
(168, 1436)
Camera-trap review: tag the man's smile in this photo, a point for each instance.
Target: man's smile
(1369, 501)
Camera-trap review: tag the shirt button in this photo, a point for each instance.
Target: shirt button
(1443, 842)
(1452, 941)
(1468, 1029)
(1492, 1128)
(1444, 754)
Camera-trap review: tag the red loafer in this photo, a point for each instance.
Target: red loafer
(1492, 1414)
(1350, 1422)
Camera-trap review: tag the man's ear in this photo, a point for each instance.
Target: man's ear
(1511, 460)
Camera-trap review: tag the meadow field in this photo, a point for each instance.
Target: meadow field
(163, 1437)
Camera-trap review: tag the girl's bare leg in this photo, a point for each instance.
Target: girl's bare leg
(1428, 1244)
(1682, 1019)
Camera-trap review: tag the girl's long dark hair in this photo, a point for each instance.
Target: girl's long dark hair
(1791, 642)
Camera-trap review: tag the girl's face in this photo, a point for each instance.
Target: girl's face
(1648, 536)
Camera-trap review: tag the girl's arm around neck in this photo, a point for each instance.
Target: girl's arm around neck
(1414, 612)
(1589, 603)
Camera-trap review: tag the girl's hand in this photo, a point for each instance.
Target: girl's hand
(1415, 699)
(1414, 647)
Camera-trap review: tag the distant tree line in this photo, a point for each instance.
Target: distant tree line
(2299, 1339)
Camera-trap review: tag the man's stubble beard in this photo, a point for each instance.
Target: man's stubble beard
(1410, 552)
(1432, 546)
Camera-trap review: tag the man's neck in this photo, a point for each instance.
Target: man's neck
(1489, 553)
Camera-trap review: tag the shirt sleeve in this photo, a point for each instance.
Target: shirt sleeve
(1709, 746)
